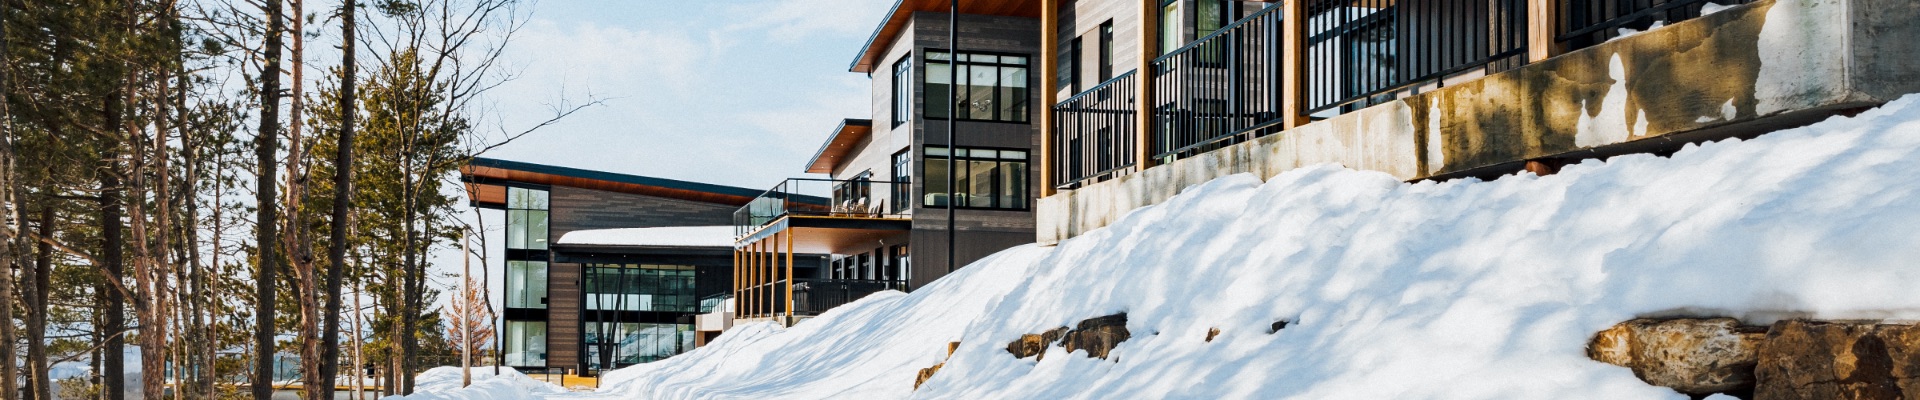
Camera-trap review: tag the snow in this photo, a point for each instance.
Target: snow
(1710, 8)
(677, 236)
(443, 383)
(1456, 290)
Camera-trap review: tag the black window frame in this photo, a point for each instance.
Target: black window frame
(1073, 65)
(1026, 172)
(903, 90)
(1106, 51)
(902, 180)
(928, 56)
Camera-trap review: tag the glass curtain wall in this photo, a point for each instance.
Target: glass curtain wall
(526, 273)
(526, 344)
(665, 288)
(615, 345)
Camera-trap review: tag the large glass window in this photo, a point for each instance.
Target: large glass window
(649, 287)
(526, 219)
(1106, 51)
(526, 344)
(526, 284)
(992, 87)
(623, 344)
(984, 178)
(1170, 27)
(1071, 67)
(902, 174)
(902, 90)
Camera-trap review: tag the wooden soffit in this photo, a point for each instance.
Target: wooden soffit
(486, 181)
(840, 147)
(896, 21)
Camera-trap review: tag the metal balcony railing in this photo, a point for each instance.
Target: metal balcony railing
(815, 296)
(1221, 89)
(1589, 22)
(847, 198)
(1094, 132)
(1360, 52)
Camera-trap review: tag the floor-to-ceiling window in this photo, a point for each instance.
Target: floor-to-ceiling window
(631, 311)
(983, 178)
(526, 278)
(993, 87)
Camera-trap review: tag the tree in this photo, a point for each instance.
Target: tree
(466, 320)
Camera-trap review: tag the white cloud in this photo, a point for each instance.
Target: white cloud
(795, 20)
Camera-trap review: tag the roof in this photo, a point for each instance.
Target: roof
(896, 20)
(677, 236)
(840, 146)
(483, 177)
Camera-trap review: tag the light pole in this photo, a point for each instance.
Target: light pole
(953, 100)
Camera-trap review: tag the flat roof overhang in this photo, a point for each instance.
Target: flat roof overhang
(486, 182)
(840, 146)
(831, 235)
(896, 21)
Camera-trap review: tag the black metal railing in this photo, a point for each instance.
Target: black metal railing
(1222, 89)
(1362, 51)
(1093, 133)
(815, 296)
(854, 198)
(1589, 22)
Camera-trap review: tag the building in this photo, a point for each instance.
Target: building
(883, 218)
(1148, 97)
(604, 270)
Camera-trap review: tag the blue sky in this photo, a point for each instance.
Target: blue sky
(734, 92)
(729, 92)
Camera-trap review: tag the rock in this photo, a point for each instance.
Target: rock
(1692, 356)
(1098, 336)
(925, 374)
(1035, 346)
(1828, 360)
(1211, 333)
(1277, 326)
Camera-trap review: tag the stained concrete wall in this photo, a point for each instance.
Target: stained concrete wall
(1742, 71)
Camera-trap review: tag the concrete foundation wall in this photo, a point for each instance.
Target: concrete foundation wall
(1742, 71)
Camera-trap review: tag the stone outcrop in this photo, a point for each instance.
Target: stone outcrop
(1098, 336)
(1827, 360)
(925, 374)
(1692, 356)
(1212, 333)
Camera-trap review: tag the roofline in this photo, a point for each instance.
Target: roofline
(855, 65)
(844, 123)
(615, 177)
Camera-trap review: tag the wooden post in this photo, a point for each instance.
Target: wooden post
(1293, 63)
(753, 269)
(1049, 89)
(736, 281)
(1543, 23)
(789, 277)
(1143, 109)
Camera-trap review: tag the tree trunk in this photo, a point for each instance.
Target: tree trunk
(113, 318)
(342, 198)
(267, 218)
(38, 279)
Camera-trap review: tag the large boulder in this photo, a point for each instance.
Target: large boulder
(1692, 356)
(1829, 360)
(1035, 345)
(1098, 336)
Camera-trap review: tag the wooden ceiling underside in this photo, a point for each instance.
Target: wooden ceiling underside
(903, 11)
(486, 194)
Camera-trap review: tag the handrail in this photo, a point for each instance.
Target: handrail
(1270, 8)
(1096, 88)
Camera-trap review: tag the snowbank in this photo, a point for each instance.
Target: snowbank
(697, 236)
(1455, 290)
(443, 383)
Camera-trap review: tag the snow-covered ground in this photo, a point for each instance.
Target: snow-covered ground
(1463, 289)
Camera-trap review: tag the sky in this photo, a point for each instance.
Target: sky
(732, 92)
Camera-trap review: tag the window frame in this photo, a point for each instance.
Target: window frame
(1026, 173)
(928, 57)
(903, 90)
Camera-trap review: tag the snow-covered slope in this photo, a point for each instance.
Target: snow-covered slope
(1462, 289)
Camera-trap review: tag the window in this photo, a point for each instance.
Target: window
(526, 344)
(1106, 51)
(984, 178)
(667, 288)
(526, 284)
(1072, 67)
(624, 344)
(991, 88)
(1210, 16)
(902, 174)
(854, 192)
(526, 219)
(902, 90)
(1170, 27)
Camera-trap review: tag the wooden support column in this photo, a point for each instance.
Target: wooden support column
(1293, 63)
(1049, 89)
(736, 281)
(789, 277)
(1143, 109)
(1543, 23)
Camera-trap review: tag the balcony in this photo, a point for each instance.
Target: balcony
(808, 202)
(1232, 86)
